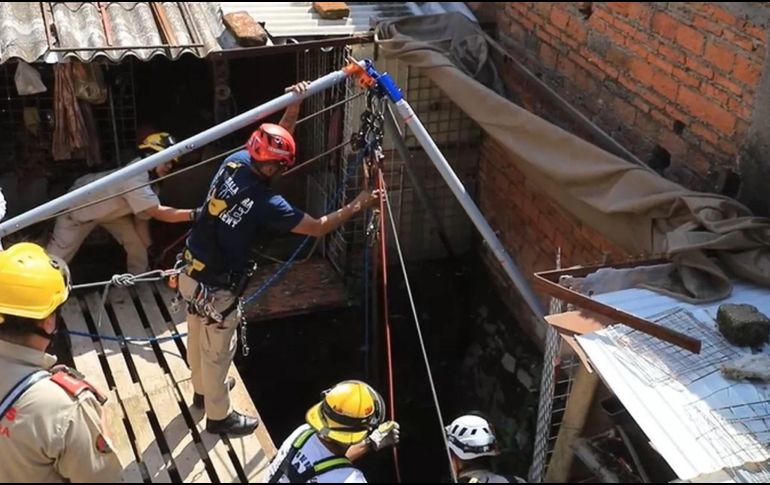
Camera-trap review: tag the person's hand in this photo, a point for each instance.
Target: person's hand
(386, 435)
(367, 199)
(299, 88)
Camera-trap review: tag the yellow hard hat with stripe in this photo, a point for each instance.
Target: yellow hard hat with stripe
(347, 413)
(158, 142)
(32, 283)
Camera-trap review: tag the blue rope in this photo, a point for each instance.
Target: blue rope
(126, 339)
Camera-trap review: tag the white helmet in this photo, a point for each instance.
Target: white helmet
(471, 437)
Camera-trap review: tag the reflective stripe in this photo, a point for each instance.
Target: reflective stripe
(330, 464)
(20, 389)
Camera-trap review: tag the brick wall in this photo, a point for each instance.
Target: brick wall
(681, 77)
(676, 84)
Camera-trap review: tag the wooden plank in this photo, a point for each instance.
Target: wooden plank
(159, 391)
(254, 451)
(171, 354)
(189, 471)
(216, 449)
(575, 416)
(134, 403)
(86, 357)
(305, 287)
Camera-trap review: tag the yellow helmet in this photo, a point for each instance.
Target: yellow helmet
(32, 283)
(158, 142)
(347, 413)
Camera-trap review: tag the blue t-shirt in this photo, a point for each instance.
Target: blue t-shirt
(240, 206)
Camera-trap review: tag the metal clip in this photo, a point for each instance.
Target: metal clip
(373, 227)
(245, 349)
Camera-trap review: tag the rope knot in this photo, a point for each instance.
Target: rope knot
(123, 280)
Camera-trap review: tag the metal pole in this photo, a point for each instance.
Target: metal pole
(457, 187)
(82, 194)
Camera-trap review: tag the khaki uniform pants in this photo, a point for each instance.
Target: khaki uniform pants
(210, 349)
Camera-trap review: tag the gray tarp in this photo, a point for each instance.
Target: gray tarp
(633, 207)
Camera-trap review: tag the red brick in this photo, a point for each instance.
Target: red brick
(606, 67)
(629, 83)
(747, 71)
(639, 48)
(714, 93)
(552, 31)
(673, 143)
(676, 114)
(663, 84)
(661, 119)
(722, 16)
(704, 24)
(758, 33)
(583, 59)
(663, 65)
(728, 84)
(690, 39)
(665, 25)
(707, 111)
(640, 12)
(742, 41)
(640, 104)
(616, 36)
(685, 77)
(623, 26)
(619, 8)
(641, 70)
(695, 65)
(654, 100)
(559, 18)
(741, 109)
(566, 67)
(572, 43)
(548, 56)
(720, 56)
(623, 111)
(577, 30)
(528, 25)
(674, 55)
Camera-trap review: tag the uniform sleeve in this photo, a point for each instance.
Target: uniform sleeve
(142, 199)
(281, 216)
(356, 477)
(87, 454)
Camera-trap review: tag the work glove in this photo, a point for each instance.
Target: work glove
(386, 435)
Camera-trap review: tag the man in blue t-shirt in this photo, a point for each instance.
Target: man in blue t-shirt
(240, 206)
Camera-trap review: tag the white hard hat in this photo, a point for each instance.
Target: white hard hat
(471, 437)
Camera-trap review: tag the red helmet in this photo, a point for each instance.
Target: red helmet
(270, 143)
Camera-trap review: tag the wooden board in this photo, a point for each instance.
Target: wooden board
(306, 287)
(254, 451)
(86, 358)
(151, 392)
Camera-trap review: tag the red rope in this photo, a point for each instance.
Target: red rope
(386, 313)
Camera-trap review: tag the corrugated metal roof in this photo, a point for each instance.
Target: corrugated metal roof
(298, 19)
(698, 421)
(132, 29)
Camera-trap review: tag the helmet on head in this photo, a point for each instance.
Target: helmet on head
(32, 283)
(157, 142)
(471, 437)
(347, 413)
(272, 143)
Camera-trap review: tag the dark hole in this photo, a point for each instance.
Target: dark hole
(659, 159)
(678, 127)
(586, 8)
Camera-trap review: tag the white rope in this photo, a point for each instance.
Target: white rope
(419, 333)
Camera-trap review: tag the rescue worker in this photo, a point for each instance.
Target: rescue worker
(347, 424)
(473, 443)
(51, 427)
(240, 207)
(125, 217)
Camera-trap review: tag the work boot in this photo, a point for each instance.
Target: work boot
(199, 400)
(235, 424)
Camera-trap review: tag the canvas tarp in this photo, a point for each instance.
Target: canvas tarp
(630, 205)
